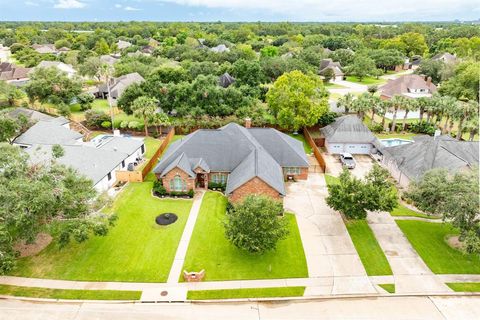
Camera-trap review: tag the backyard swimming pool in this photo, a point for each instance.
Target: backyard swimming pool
(392, 142)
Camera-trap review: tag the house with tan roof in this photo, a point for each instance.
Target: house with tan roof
(409, 86)
(45, 48)
(13, 74)
(335, 67)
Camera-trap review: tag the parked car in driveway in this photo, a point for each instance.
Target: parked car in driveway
(347, 160)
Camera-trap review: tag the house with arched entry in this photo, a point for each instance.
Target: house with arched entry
(244, 160)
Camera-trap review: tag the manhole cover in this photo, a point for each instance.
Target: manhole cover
(163, 293)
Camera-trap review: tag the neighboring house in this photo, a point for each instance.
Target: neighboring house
(31, 115)
(335, 67)
(98, 159)
(123, 44)
(45, 48)
(220, 48)
(410, 86)
(348, 134)
(63, 50)
(148, 49)
(247, 160)
(108, 59)
(153, 43)
(118, 86)
(67, 68)
(13, 74)
(445, 57)
(413, 63)
(410, 161)
(225, 80)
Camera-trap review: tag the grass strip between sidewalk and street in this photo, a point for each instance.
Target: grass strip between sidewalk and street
(246, 293)
(46, 293)
(370, 252)
(389, 287)
(464, 286)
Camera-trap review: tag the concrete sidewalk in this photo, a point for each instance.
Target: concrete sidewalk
(176, 269)
(411, 274)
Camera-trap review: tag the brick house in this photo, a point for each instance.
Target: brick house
(246, 160)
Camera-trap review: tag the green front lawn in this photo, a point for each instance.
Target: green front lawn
(389, 287)
(428, 239)
(402, 211)
(464, 286)
(136, 249)
(366, 80)
(245, 293)
(405, 136)
(210, 250)
(331, 85)
(45, 293)
(368, 249)
(329, 179)
(301, 138)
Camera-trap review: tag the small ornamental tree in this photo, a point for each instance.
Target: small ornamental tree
(256, 225)
(353, 197)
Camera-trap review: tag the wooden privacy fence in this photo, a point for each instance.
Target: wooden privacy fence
(316, 151)
(139, 175)
(163, 146)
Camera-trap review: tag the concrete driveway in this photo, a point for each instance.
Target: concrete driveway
(411, 274)
(328, 247)
(334, 166)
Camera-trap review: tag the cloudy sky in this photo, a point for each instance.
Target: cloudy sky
(240, 10)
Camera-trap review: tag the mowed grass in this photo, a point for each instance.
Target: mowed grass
(402, 211)
(405, 136)
(151, 145)
(210, 250)
(45, 293)
(330, 180)
(366, 80)
(368, 249)
(389, 287)
(464, 286)
(301, 138)
(428, 239)
(135, 249)
(246, 293)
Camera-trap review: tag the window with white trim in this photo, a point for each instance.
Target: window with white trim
(219, 178)
(178, 184)
(292, 170)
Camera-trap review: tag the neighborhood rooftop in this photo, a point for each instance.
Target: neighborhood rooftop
(349, 129)
(48, 132)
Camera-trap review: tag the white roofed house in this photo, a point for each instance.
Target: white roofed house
(123, 44)
(99, 159)
(45, 48)
(67, 68)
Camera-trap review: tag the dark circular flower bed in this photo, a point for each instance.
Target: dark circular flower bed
(166, 219)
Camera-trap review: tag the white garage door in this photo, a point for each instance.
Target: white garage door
(357, 148)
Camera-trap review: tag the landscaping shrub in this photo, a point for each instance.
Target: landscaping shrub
(327, 118)
(423, 127)
(106, 124)
(134, 125)
(217, 186)
(95, 118)
(158, 188)
(124, 124)
(377, 127)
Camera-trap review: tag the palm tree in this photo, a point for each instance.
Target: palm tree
(409, 105)
(105, 72)
(159, 119)
(396, 103)
(377, 107)
(145, 107)
(465, 111)
(472, 127)
(422, 103)
(362, 104)
(346, 101)
(383, 107)
(448, 108)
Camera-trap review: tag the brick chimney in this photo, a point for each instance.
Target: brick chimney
(429, 81)
(248, 123)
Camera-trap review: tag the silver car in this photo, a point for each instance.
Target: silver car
(347, 160)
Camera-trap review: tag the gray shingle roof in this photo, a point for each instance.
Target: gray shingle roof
(348, 129)
(245, 153)
(125, 145)
(181, 162)
(31, 115)
(225, 80)
(120, 84)
(426, 153)
(91, 162)
(49, 133)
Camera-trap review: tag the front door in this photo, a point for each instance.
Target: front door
(201, 180)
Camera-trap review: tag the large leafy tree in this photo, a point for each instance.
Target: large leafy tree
(32, 196)
(465, 84)
(256, 224)
(455, 196)
(354, 197)
(52, 85)
(297, 100)
(247, 72)
(361, 67)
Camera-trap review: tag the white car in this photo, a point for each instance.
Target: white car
(347, 160)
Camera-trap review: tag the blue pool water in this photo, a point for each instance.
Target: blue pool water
(392, 142)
